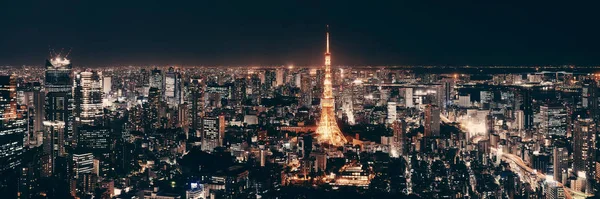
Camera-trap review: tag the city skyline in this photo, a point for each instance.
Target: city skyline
(407, 100)
(277, 33)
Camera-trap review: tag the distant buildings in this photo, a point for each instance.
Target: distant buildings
(213, 131)
(432, 121)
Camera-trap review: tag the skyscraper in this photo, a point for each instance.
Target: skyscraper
(432, 121)
(59, 96)
(328, 130)
(398, 139)
(54, 145)
(583, 147)
(12, 125)
(553, 120)
(88, 98)
(39, 96)
(172, 90)
(560, 163)
(213, 131)
(196, 101)
(554, 191)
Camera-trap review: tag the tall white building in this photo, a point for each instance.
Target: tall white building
(391, 112)
(408, 97)
(88, 98)
(106, 84)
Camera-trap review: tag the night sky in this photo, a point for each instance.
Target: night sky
(286, 32)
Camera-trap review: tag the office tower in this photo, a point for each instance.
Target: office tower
(39, 96)
(213, 131)
(583, 143)
(83, 163)
(432, 121)
(269, 80)
(540, 162)
(88, 98)
(12, 125)
(106, 85)
(280, 76)
(408, 97)
(391, 112)
(519, 120)
(306, 88)
(553, 120)
(554, 190)
(172, 87)
(196, 101)
(54, 145)
(560, 163)
(527, 107)
(328, 130)
(397, 146)
(156, 79)
(239, 91)
(94, 138)
(591, 104)
(152, 109)
(59, 94)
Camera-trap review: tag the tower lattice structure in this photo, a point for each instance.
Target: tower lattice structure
(328, 131)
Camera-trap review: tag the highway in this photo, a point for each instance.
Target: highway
(515, 160)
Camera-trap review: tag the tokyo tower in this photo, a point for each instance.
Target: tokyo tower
(328, 131)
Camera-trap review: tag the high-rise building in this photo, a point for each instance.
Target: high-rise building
(106, 84)
(94, 138)
(196, 101)
(391, 112)
(38, 114)
(59, 96)
(328, 130)
(88, 98)
(553, 120)
(83, 163)
(519, 120)
(397, 146)
(560, 163)
(152, 109)
(12, 125)
(583, 140)
(172, 87)
(213, 131)
(156, 79)
(527, 107)
(54, 145)
(432, 121)
(280, 76)
(408, 98)
(583, 148)
(554, 190)
(239, 91)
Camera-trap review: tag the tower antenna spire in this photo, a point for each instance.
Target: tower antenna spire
(327, 39)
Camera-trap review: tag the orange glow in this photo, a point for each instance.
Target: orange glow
(328, 131)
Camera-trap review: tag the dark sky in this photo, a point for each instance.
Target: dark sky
(221, 32)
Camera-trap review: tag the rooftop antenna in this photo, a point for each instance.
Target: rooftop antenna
(68, 53)
(61, 50)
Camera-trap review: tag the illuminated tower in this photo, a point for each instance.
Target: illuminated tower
(328, 130)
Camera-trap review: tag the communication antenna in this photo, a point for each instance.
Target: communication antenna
(68, 53)
(61, 50)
